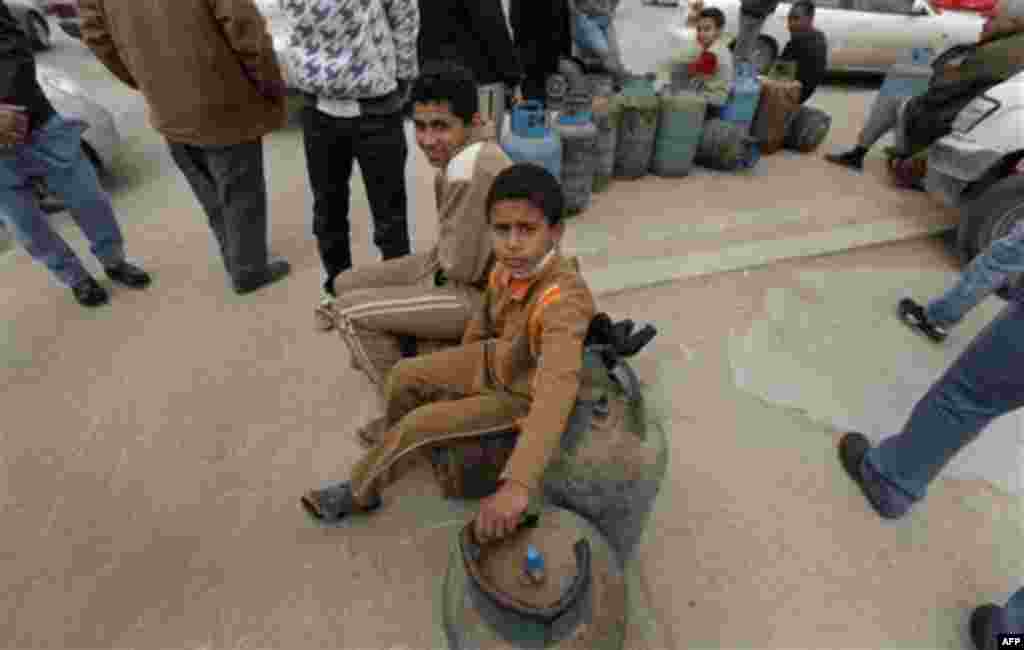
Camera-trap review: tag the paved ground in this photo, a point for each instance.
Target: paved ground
(153, 450)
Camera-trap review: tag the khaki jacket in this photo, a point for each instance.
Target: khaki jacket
(463, 249)
(535, 331)
(199, 64)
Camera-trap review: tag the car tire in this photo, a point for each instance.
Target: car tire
(38, 31)
(989, 217)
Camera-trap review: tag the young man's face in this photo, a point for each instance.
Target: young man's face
(440, 133)
(521, 235)
(797, 21)
(707, 32)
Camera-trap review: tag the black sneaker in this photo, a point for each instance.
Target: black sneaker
(854, 159)
(129, 275)
(982, 630)
(914, 316)
(89, 293)
(273, 272)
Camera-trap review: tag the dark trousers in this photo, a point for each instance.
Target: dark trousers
(229, 184)
(377, 143)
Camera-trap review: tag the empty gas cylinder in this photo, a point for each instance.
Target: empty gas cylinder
(530, 140)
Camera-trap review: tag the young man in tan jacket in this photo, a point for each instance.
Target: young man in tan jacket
(210, 77)
(520, 361)
(430, 295)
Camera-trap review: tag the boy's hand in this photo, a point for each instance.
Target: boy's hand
(501, 512)
(13, 125)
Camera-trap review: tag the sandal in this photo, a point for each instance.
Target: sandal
(331, 505)
(325, 315)
(914, 316)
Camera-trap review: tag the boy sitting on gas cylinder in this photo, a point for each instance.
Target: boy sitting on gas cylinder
(711, 74)
(520, 361)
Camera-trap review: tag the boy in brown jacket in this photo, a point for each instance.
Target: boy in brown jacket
(429, 295)
(520, 360)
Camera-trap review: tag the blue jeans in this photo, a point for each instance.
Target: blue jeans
(984, 383)
(54, 152)
(1012, 619)
(987, 272)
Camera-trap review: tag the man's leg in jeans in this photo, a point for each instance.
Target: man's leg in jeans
(30, 227)
(382, 151)
(984, 383)
(330, 148)
(71, 176)
(986, 273)
(238, 174)
(432, 398)
(191, 160)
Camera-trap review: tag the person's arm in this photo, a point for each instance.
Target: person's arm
(487, 21)
(245, 30)
(13, 125)
(465, 235)
(564, 319)
(475, 327)
(404, 18)
(96, 36)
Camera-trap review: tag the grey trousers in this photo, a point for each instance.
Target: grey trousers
(229, 184)
(886, 115)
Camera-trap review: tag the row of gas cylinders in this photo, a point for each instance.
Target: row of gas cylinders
(586, 135)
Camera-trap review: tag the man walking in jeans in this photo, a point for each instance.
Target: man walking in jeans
(355, 60)
(36, 141)
(209, 75)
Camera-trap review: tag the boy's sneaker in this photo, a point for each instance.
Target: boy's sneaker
(324, 314)
(89, 293)
(915, 317)
(982, 627)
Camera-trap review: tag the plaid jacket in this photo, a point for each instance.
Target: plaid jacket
(352, 49)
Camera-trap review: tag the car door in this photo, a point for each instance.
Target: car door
(884, 32)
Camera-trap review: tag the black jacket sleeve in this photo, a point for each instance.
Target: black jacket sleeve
(491, 29)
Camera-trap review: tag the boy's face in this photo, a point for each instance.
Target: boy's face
(707, 32)
(440, 133)
(521, 235)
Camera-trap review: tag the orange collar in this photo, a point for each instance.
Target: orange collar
(518, 288)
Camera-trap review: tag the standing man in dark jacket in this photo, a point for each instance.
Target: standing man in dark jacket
(36, 141)
(474, 33)
(210, 78)
(807, 47)
(542, 36)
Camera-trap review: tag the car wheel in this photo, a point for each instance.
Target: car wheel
(992, 216)
(38, 31)
(764, 54)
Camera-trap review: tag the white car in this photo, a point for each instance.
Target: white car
(863, 35)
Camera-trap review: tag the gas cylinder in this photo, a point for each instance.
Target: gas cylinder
(680, 126)
(635, 110)
(579, 139)
(530, 140)
(746, 93)
(602, 88)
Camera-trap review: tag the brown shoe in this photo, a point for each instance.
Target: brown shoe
(371, 434)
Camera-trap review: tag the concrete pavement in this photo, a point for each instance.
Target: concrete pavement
(153, 452)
